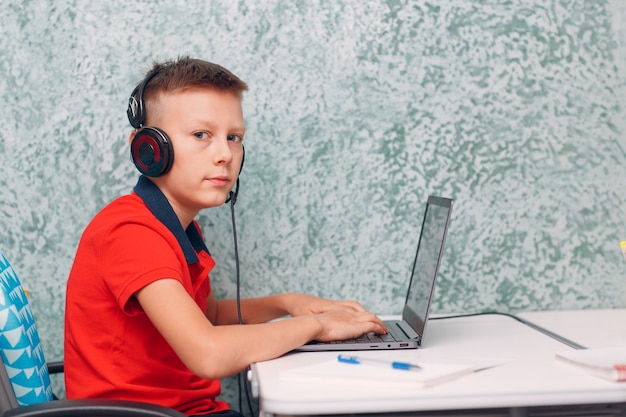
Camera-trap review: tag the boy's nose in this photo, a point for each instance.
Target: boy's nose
(223, 153)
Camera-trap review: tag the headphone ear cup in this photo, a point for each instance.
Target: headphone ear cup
(151, 151)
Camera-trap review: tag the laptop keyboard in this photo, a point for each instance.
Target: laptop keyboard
(395, 335)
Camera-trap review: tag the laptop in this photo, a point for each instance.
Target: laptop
(408, 333)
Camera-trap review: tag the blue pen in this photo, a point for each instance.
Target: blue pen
(355, 360)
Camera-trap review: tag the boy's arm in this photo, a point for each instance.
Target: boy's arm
(219, 351)
(264, 309)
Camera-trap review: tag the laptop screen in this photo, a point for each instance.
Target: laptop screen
(427, 260)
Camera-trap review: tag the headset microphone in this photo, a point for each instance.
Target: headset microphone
(233, 194)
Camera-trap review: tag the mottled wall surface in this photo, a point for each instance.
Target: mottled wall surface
(356, 112)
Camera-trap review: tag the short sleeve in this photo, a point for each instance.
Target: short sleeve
(133, 256)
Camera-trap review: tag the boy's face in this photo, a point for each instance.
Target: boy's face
(206, 129)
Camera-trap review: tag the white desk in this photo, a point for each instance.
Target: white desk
(530, 377)
(589, 328)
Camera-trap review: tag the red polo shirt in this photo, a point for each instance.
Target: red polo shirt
(112, 350)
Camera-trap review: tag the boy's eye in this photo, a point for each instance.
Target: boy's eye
(234, 138)
(201, 135)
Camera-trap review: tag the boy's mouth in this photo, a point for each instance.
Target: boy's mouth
(219, 181)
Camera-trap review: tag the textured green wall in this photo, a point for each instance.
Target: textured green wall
(357, 111)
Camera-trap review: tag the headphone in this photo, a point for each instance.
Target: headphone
(151, 149)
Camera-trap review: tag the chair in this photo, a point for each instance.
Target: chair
(25, 388)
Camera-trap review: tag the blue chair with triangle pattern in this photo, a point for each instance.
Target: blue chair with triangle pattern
(20, 347)
(25, 388)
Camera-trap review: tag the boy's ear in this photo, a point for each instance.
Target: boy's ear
(132, 136)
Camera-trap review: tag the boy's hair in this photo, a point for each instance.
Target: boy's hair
(186, 72)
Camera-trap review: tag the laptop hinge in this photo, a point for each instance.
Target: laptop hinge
(408, 330)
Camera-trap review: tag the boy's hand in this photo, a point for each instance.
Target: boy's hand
(339, 319)
(303, 304)
(339, 325)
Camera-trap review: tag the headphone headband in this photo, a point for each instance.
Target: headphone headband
(136, 107)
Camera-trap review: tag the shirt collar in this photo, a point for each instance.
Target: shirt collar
(190, 240)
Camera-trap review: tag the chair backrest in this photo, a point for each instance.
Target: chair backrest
(20, 347)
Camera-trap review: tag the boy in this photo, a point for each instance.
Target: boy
(141, 320)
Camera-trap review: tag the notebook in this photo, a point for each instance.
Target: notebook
(408, 333)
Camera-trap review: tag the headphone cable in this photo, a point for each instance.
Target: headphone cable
(233, 200)
(241, 377)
